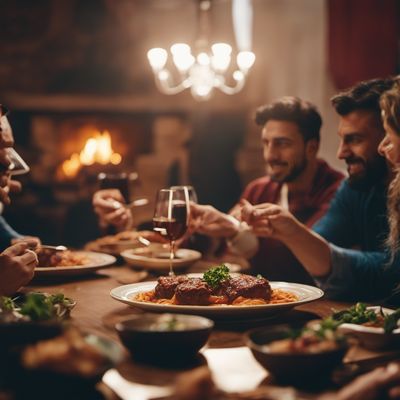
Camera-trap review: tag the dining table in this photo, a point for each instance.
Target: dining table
(226, 358)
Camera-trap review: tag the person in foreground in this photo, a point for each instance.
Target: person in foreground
(356, 219)
(17, 262)
(296, 180)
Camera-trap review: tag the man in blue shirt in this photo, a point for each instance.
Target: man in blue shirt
(356, 219)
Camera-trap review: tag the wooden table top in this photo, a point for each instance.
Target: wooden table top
(96, 312)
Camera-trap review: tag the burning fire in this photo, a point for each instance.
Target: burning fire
(97, 149)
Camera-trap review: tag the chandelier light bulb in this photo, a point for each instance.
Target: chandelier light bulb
(220, 63)
(221, 49)
(157, 58)
(245, 60)
(238, 76)
(203, 59)
(178, 49)
(183, 61)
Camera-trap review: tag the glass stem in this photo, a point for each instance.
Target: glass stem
(171, 257)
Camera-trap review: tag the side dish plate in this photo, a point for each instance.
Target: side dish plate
(370, 337)
(93, 262)
(156, 258)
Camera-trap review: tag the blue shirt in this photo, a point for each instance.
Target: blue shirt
(6, 234)
(357, 220)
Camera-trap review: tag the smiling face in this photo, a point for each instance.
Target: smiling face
(390, 145)
(360, 133)
(285, 152)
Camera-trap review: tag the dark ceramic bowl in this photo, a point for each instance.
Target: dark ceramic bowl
(292, 368)
(164, 338)
(46, 383)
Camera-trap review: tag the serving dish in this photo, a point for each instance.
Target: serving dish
(289, 367)
(93, 262)
(72, 370)
(370, 337)
(305, 294)
(155, 257)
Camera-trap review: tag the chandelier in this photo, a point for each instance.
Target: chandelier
(202, 69)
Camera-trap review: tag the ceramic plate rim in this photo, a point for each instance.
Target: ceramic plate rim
(160, 264)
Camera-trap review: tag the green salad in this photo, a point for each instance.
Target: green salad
(360, 314)
(35, 307)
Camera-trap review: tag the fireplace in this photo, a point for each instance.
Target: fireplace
(165, 148)
(67, 151)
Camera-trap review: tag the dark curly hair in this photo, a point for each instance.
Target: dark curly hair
(363, 96)
(303, 113)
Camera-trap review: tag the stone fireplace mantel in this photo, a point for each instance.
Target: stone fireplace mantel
(122, 103)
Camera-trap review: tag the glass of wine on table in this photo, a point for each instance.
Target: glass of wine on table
(170, 218)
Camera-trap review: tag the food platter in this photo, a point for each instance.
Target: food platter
(156, 257)
(305, 294)
(126, 240)
(94, 261)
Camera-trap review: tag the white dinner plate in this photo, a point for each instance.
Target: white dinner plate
(156, 257)
(305, 294)
(371, 337)
(94, 262)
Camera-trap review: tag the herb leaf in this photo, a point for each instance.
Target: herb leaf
(215, 276)
(390, 321)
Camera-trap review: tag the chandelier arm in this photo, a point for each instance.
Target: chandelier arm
(231, 89)
(166, 88)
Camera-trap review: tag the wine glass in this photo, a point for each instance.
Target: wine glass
(192, 196)
(170, 218)
(123, 181)
(191, 192)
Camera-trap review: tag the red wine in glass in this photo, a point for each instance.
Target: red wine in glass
(121, 181)
(171, 217)
(174, 228)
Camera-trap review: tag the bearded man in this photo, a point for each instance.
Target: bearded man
(296, 180)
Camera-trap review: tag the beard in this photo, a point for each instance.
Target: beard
(374, 171)
(294, 172)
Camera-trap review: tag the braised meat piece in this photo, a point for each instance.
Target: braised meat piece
(248, 286)
(193, 291)
(48, 258)
(166, 286)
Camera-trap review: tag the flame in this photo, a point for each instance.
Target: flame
(97, 149)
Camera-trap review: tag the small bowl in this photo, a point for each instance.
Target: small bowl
(292, 368)
(164, 338)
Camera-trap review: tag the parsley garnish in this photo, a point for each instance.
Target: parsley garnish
(215, 276)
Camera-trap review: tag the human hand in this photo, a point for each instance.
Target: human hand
(6, 135)
(11, 186)
(109, 206)
(269, 220)
(380, 383)
(17, 265)
(209, 221)
(33, 241)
